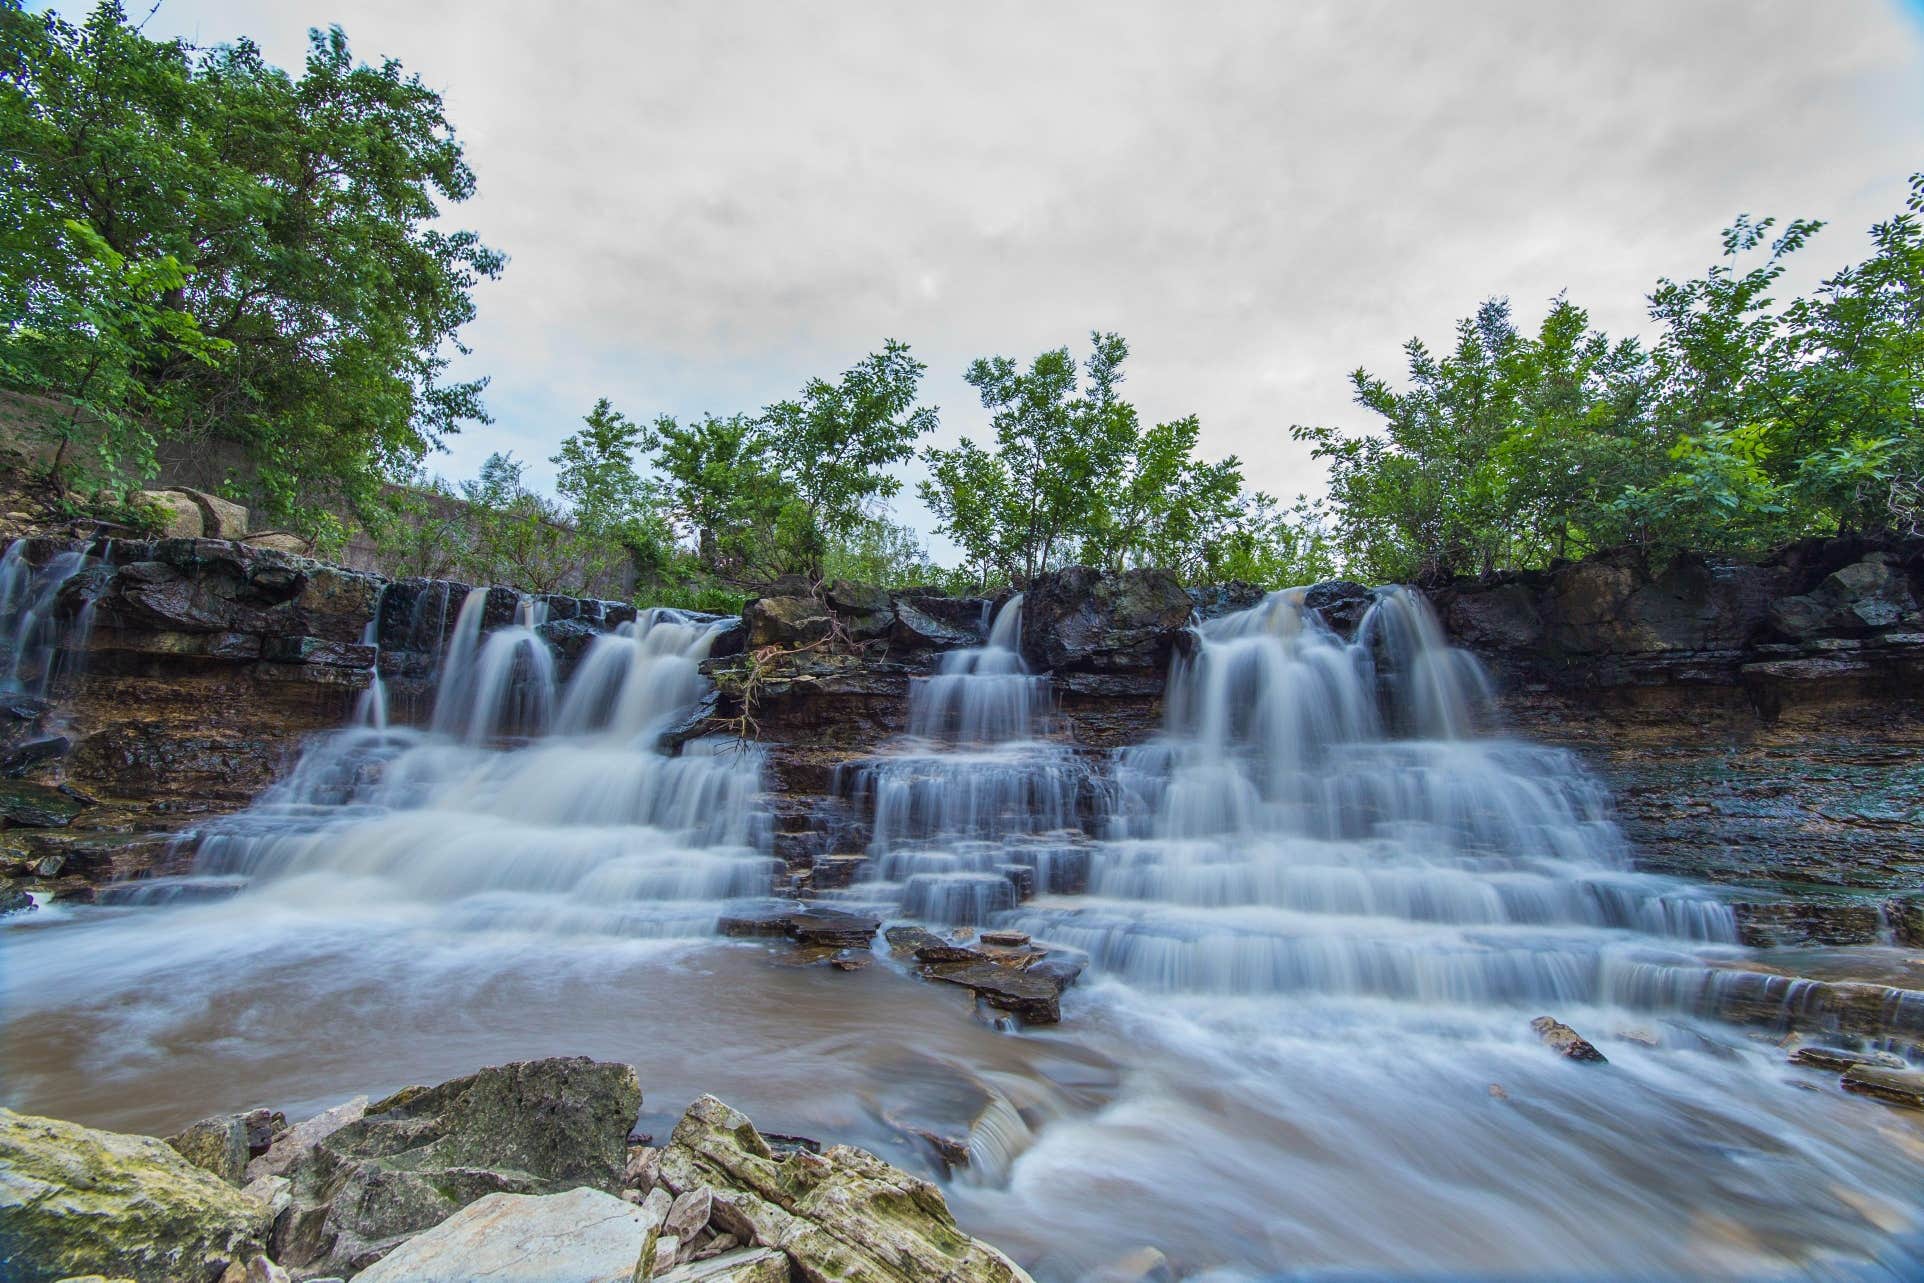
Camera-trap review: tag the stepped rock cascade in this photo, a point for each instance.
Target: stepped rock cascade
(526, 802)
(1319, 817)
(978, 799)
(1320, 907)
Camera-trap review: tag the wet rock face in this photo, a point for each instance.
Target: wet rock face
(76, 1201)
(1083, 620)
(415, 1158)
(1758, 726)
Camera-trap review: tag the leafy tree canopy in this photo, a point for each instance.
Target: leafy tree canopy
(314, 301)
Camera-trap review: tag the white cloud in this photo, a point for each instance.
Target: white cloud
(706, 202)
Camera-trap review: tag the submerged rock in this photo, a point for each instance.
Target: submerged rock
(841, 1216)
(1836, 1061)
(581, 1236)
(74, 1200)
(1566, 1041)
(415, 1158)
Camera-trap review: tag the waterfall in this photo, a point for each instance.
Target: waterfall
(978, 803)
(1319, 817)
(525, 802)
(43, 635)
(370, 710)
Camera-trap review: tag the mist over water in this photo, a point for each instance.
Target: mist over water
(1319, 908)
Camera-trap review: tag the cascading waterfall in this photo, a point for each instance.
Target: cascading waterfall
(509, 811)
(1318, 817)
(978, 802)
(41, 635)
(1320, 906)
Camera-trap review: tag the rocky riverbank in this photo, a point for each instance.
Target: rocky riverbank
(527, 1172)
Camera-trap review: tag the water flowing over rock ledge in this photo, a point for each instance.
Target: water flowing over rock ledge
(1267, 826)
(1760, 725)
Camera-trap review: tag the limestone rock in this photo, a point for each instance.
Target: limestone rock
(1341, 602)
(75, 1200)
(842, 1216)
(178, 515)
(1837, 1061)
(832, 930)
(417, 1157)
(1082, 619)
(643, 1169)
(1862, 597)
(280, 541)
(1566, 1041)
(785, 621)
(24, 804)
(1896, 1086)
(688, 1215)
(918, 629)
(289, 1147)
(1032, 995)
(581, 1236)
(217, 1145)
(220, 518)
(743, 1265)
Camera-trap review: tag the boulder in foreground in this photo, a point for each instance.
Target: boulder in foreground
(582, 1236)
(424, 1153)
(77, 1201)
(841, 1216)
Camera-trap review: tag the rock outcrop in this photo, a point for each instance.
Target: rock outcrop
(582, 1236)
(1759, 725)
(1081, 620)
(506, 1174)
(840, 1216)
(75, 1201)
(422, 1154)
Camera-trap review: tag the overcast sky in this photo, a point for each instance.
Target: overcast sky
(704, 203)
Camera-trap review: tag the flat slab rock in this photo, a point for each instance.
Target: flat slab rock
(839, 930)
(1896, 1086)
(744, 1265)
(1037, 999)
(582, 1236)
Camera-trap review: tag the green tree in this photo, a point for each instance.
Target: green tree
(525, 539)
(833, 444)
(304, 215)
(80, 336)
(1020, 509)
(1159, 505)
(719, 488)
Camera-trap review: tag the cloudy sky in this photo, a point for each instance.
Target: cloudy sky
(705, 202)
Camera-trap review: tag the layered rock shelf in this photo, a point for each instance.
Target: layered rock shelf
(1760, 725)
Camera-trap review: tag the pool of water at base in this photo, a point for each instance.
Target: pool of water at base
(1245, 1137)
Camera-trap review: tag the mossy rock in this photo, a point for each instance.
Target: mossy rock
(76, 1201)
(424, 1153)
(27, 805)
